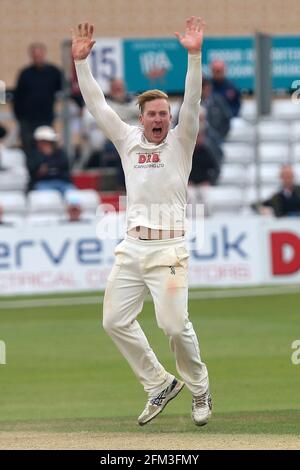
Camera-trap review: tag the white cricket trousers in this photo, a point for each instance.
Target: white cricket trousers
(161, 267)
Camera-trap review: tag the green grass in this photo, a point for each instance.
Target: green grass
(64, 373)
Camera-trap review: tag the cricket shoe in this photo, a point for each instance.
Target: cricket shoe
(201, 408)
(156, 404)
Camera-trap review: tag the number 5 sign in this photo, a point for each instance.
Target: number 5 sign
(106, 61)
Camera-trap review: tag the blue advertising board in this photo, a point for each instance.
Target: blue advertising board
(238, 55)
(286, 61)
(154, 63)
(161, 62)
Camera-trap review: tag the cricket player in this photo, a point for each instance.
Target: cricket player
(153, 256)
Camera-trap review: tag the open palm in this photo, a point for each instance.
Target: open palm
(82, 41)
(193, 36)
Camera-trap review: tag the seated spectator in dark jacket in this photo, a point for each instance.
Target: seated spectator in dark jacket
(218, 113)
(48, 164)
(225, 87)
(286, 202)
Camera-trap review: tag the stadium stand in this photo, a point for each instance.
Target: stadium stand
(13, 171)
(248, 110)
(13, 204)
(295, 131)
(295, 152)
(88, 199)
(276, 138)
(241, 131)
(47, 201)
(272, 130)
(233, 175)
(222, 201)
(268, 174)
(285, 109)
(235, 152)
(270, 152)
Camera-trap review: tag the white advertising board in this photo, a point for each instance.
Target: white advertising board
(79, 257)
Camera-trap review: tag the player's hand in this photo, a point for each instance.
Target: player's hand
(82, 41)
(193, 36)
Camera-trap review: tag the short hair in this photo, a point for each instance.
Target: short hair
(37, 45)
(150, 95)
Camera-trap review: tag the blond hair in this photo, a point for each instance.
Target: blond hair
(150, 95)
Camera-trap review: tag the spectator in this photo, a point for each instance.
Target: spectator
(102, 152)
(74, 211)
(205, 166)
(3, 222)
(225, 87)
(218, 113)
(34, 95)
(122, 102)
(206, 163)
(286, 202)
(48, 164)
(13, 172)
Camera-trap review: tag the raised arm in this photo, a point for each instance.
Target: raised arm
(188, 122)
(108, 121)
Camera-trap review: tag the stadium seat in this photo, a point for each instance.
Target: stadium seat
(88, 179)
(13, 203)
(238, 153)
(88, 199)
(296, 152)
(112, 198)
(274, 152)
(16, 157)
(14, 174)
(297, 173)
(269, 174)
(295, 131)
(220, 200)
(49, 201)
(248, 110)
(286, 109)
(233, 175)
(14, 220)
(241, 131)
(273, 131)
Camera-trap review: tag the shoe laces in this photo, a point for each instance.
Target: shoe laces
(200, 401)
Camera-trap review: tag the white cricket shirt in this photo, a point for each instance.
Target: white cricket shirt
(156, 176)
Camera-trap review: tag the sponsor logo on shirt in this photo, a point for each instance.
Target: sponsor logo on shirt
(148, 160)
